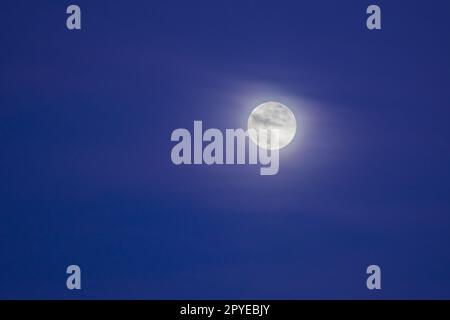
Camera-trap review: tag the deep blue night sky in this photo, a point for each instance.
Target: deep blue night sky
(86, 176)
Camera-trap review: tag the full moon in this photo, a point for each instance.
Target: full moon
(272, 116)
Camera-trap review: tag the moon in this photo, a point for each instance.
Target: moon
(274, 117)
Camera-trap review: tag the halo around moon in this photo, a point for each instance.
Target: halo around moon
(272, 117)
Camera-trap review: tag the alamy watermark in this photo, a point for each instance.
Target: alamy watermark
(236, 146)
(73, 281)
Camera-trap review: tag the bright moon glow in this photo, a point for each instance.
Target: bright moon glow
(275, 117)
